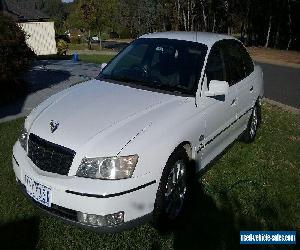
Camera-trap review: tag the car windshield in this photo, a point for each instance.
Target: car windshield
(161, 64)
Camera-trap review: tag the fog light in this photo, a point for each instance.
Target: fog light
(101, 220)
(115, 219)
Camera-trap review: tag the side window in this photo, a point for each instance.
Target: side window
(215, 67)
(248, 63)
(233, 61)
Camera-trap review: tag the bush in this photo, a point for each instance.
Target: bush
(104, 36)
(62, 47)
(15, 56)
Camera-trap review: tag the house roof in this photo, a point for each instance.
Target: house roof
(22, 10)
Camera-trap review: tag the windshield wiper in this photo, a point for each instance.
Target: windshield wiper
(125, 79)
(153, 85)
(170, 88)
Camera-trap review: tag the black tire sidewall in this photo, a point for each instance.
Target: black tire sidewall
(247, 136)
(160, 218)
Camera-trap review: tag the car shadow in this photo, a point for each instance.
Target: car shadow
(208, 223)
(38, 79)
(35, 80)
(22, 234)
(204, 224)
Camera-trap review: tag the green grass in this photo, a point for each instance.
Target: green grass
(84, 46)
(95, 58)
(250, 187)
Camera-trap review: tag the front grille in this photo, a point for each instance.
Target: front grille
(48, 156)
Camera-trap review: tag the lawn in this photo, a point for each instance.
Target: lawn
(250, 187)
(95, 58)
(84, 46)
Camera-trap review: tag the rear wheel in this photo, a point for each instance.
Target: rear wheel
(172, 190)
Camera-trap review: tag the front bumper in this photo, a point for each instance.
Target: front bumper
(70, 216)
(71, 194)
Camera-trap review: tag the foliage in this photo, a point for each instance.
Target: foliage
(137, 17)
(55, 9)
(62, 47)
(15, 57)
(270, 23)
(251, 187)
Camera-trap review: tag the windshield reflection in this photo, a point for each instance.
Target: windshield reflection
(161, 64)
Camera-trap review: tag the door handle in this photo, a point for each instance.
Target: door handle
(251, 89)
(233, 102)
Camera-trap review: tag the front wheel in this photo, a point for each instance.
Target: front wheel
(172, 190)
(254, 121)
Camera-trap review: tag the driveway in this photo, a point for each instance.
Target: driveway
(282, 84)
(46, 78)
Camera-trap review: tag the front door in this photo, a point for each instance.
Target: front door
(220, 111)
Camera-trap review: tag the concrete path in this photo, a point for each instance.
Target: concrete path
(46, 78)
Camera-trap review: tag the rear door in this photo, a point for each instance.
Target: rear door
(244, 80)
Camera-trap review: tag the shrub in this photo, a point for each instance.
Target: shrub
(62, 47)
(15, 57)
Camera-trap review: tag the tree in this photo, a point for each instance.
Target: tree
(15, 58)
(270, 23)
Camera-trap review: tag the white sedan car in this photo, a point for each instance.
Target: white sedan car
(109, 152)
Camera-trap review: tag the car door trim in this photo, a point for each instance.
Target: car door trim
(223, 130)
(111, 195)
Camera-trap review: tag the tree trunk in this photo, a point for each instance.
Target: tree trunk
(276, 37)
(269, 31)
(90, 42)
(243, 31)
(178, 15)
(100, 40)
(184, 20)
(214, 23)
(204, 15)
(290, 26)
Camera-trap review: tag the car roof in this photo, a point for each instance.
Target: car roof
(206, 38)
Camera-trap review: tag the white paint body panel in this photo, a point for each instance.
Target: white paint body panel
(99, 119)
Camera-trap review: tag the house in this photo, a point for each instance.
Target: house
(39, 30)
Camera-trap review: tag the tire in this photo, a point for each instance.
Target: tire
(253, 124)
(170, 198)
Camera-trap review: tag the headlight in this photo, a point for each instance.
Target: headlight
(23, 139)
(111, 168)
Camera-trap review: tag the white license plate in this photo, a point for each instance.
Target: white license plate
(37, 191)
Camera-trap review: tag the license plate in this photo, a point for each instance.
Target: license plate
(38, 192)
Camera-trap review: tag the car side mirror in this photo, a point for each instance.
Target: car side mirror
(103, 65)
(217, 88)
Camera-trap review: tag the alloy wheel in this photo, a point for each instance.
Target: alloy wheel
(254, 122)
(175, 189)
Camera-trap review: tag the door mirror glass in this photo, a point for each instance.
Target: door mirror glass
(217, 88)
